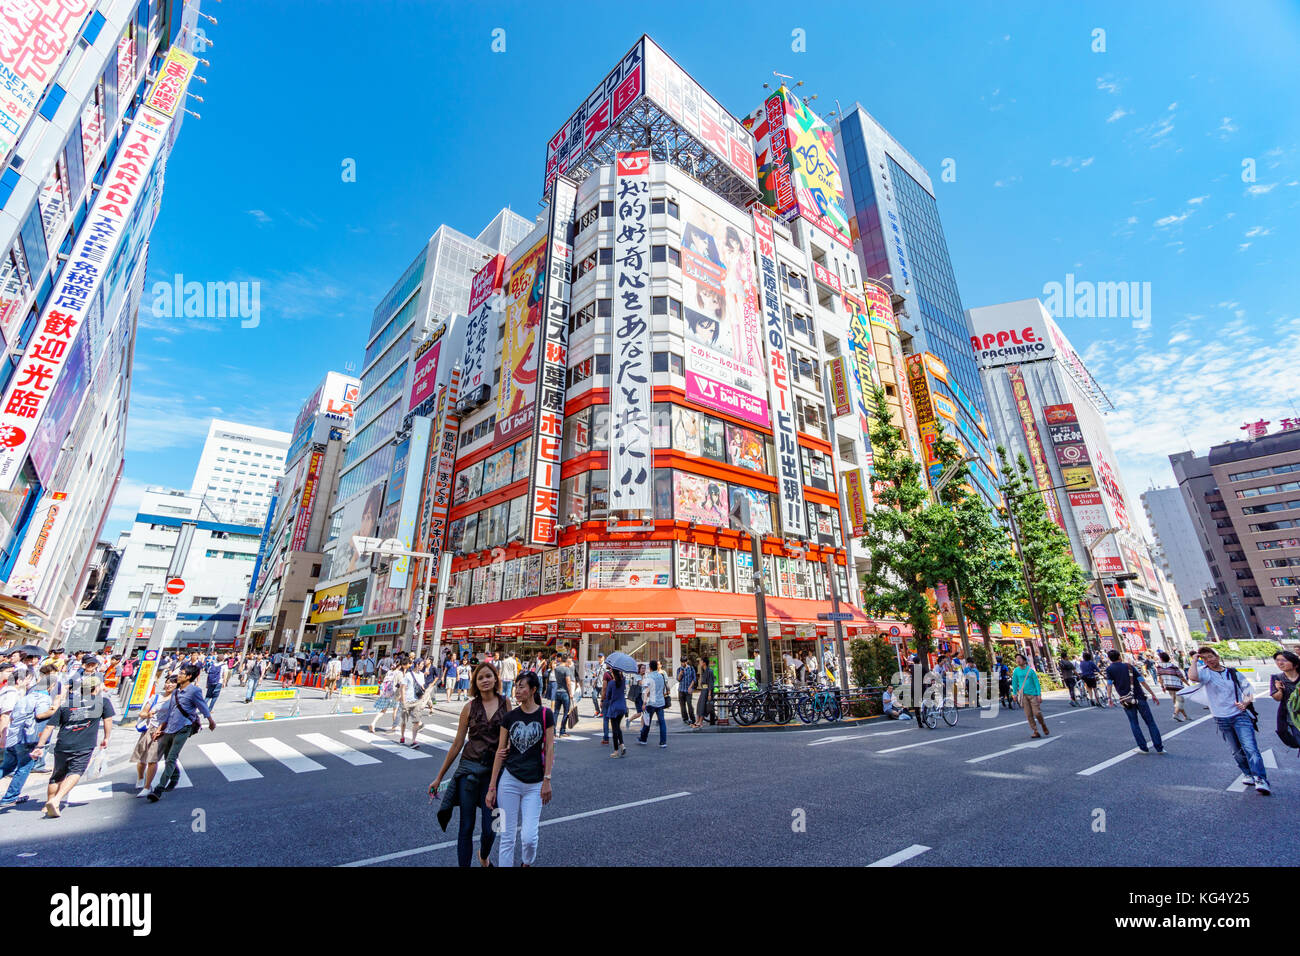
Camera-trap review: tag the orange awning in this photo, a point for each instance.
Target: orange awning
(651, 603)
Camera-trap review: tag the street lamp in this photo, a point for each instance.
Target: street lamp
(392, 547)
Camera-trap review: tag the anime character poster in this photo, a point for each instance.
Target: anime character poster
(699, 499)
(724, 342)
(745, 448)
(518, 387)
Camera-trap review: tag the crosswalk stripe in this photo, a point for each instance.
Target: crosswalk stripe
(440, 730)
(406, 753)
(434, 742)
(182, 778)
(96, 790)
(340, 750)
(286, 754)
(232, 766)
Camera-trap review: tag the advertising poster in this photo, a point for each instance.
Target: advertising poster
(409, 495)
(360, 517)
(43, 532)
(789, 482)
(856, 497)
(1092, 521)
(355, 602)
(724, 336)
(519, 350)
(543, 513)
(36, 36)
(589, 123)
(863, 368)
(469, 482)
(573, 567)
(307, 503)
(760, 508)
(630, 564)
(631, 398)
(1037, 454)
(700, 499)
(481, 330)
(62, 409)
(1108, 479)
(798, 169)
(919, 385)
(425, 376)
(745, 448)
(840, 386)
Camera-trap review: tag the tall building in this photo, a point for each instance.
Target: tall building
(894, 219)
(217, 570)
(1244, 501)
(291, 558)
(1044, 404)
(1178, 552)
(94, 98)
(238, 469)
(432, 289)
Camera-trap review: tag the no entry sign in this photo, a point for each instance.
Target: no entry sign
(175, 585)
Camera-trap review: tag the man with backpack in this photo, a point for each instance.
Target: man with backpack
(1231, 701)
(256, 667)
(78, 722)
(178, 720)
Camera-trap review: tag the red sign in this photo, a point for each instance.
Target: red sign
(633, 163)
(175, 585)
(826, 277)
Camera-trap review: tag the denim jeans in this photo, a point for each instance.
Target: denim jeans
(252, 689)
(1239, 731)
(17, 761)
(472, 800)
(1145, 710)
(213, 692)
(663, 730)
(171, 747)
(561, 703)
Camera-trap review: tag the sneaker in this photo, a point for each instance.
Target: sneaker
(642, 743)
(1249, 781)
(144, 792)
(663, 746)
(1145, 751)
(1161, 751)
(172, 786)
(14, 802)
(139, 783)
(1262, 787)
(154, 796)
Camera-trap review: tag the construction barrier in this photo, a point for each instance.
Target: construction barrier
(288, 693)
(354, 690)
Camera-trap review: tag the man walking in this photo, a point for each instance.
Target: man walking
(333, 674)
(656, 702)
(1231, 698)
(175, 726)
(78, 722)
(256, 667)
(26, 710)
(1129, 684)
(214, 674)
(564, 687)
(408, 702)
(509, 672)
(685, 687)
(705, 707)
(1172, 680)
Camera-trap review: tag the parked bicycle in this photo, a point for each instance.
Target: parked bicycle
(932, 710)
(817, 704)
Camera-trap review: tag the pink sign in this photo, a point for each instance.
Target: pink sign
(715, 394)
(426, 374)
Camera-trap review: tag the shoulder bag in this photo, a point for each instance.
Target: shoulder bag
(1130, 700)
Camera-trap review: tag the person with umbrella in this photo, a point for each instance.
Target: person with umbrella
(614, 697)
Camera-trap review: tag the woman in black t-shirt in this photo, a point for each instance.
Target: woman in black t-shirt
(521, 774)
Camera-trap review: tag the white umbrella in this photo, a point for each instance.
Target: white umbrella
(621, 662)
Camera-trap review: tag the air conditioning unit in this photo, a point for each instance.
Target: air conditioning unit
(475, 398)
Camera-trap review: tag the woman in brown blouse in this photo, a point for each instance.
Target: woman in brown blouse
(478, 733)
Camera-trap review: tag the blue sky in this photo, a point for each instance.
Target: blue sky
(1123, 165)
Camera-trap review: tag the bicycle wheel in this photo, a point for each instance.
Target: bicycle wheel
(832, 709)
(805, 711)
(779, 709)
(746, 710)
(930, 716)
(950, 714)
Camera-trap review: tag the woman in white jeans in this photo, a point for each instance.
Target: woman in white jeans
(521, 773)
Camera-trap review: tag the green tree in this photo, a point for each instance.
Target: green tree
(1055, 577)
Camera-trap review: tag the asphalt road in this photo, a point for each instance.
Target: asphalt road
(319, 791)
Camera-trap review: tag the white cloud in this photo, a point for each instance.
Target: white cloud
(1087, 162)
(1257, 231)
(1171, 220)
(1226, 128)
(1072, 164)
(1260, 189)
(1118, 114)
(1243, 246)
(1132, 220)
(126, 502)
(261, 217)
(1108, 83)
(1003, 183)
(1197, 200)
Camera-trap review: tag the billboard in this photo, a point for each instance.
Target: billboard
(409, 510)
(918, 383)
(481, 330)
(35, 36)
(1085, 460)
(865, 371)
(1034, 442)
(724, 334)
(855, 493)
(646, 72)
(424, 377)
(552, 367)
(840, 386)
(629, 564)
(1092, 521)
(632, 394)
(360, 517)
(700, 499)
(61, 409)
(518, 387)
(442, 462)
(27, 398)
(789, 480)
(48, 521)
(307, 503)
(798, 169)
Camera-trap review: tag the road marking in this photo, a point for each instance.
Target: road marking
(879, 733)
(1270, 763)
(434, 742)
(1027, 745)
(406, 753)
(282, 752)
(545, 823)
(439, 730)
(232, 766)
(1012, 723)
(340, 750)
(1097, 768)
(97, 790)
(902, 856)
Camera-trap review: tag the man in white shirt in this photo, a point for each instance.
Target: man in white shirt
(333, 671)
(509, 672)
(408, 703)
(1229, 696)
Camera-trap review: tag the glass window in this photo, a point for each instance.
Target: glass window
(469, 483)
(577, 433)
(516, 525)
(760, 508)
(713, 438)
(662, 416)
(469, 542)
(599, 486)
(523, 459)
(573, 498)
(663, 494)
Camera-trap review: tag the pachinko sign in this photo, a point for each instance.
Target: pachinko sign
(51, 347)
(1034, 442)
(789, 481)
(724, 335)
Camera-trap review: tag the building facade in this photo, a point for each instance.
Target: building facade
(85, 138)
(1178, 553)
(1044, 404)
(239, 468)
(217, 570)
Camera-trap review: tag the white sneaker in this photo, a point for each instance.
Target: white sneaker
(1262, 787)
(144, 791)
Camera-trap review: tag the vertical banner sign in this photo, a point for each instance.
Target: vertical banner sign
(43, 532)
(481, 331)
(919, 386)
(409, 509)
(840, 387)
(1037, 456)
(789, 482)
(52, 343)
(424, 378)
(1087, 505)
(517, 391)
(552, 366)
(630, 453)
(856, 495)
(866, 373)
(307, 504)
(34, 36)
(442, 462)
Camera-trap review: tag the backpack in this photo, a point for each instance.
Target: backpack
(1293, 709)
(389, 687)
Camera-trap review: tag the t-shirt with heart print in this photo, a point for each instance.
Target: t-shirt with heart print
(526, 733)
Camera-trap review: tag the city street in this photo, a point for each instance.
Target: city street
(323, 791)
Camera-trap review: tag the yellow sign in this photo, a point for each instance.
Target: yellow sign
(328, 605)
(275, 695)
(142, 682)
(360, 689)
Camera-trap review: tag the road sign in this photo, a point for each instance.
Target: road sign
(896, 639)
(835, 616)
(167, 608)
(175, 585)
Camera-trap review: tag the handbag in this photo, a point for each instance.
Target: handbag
(572, 720)
(1130, 700)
